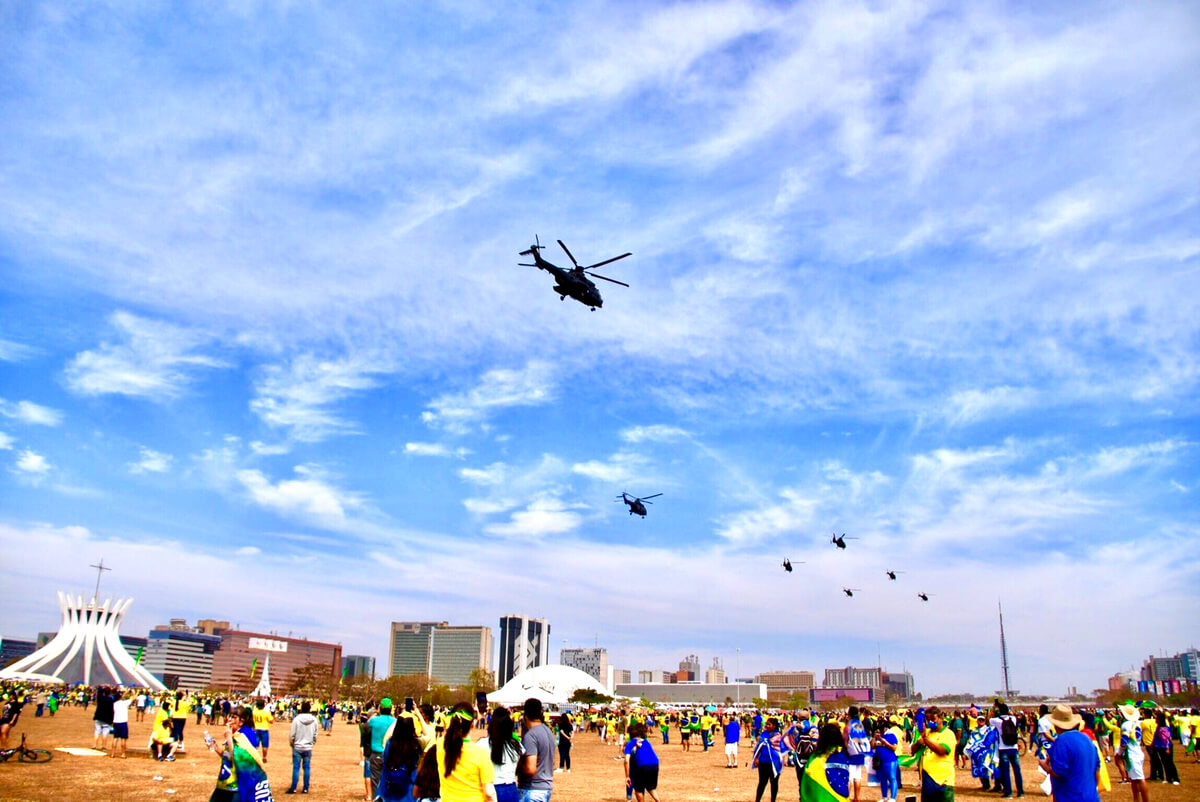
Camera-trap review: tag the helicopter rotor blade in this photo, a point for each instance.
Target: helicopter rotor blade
(656, 495)
(571, 255)
(606, 278)
(607, 261)
(525, 264)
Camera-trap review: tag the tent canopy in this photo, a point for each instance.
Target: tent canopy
(552, 685)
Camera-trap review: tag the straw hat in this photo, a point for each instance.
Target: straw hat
(1129, 712)
(1064, 718)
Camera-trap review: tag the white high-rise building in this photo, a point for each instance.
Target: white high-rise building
(524, 644)
(592, 661)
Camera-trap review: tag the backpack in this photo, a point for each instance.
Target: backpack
(1008, 731)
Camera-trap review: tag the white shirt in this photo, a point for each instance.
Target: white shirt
(506, 772)
(121, 711)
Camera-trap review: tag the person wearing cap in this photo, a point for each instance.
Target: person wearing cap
(1072, 760)
(1131, 752)
(379, 726)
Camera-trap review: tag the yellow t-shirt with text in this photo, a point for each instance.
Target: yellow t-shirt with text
(262, 719)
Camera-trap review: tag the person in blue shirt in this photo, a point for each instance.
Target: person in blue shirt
(1072, 761)
(886, 743)
(858, 746)
(641, 764)
(733, 734)
(768, 759)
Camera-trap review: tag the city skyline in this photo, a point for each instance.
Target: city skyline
(922, 273)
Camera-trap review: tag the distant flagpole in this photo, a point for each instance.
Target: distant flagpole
(1003, 652)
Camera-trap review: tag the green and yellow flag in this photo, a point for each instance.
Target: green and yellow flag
(139, 655)
(911, 761)
(825, 780)
(253, 666)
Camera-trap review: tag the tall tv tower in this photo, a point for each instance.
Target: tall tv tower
(1003, 653)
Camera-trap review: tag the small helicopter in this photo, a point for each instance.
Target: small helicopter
(850, 591)
(787, 564)
(638, 505)
(892, 575)
(840, 542)
(924, 596)
(574, 282)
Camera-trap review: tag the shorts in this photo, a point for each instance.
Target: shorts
(1136, 769)
(367, 768)
(855, 772)
(264, 738)
(102, 729)
(121, 731)
(644, 778)
(731, 750)
(534, 794)
(685, 735)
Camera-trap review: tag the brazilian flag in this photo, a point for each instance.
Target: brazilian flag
(253, 666)
(826, 778)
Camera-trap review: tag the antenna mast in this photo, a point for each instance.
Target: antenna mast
(1003, 652)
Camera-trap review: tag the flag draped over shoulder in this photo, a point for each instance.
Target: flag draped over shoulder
(770, 749)
(911, 761)
(983, 748)
(251, 773)
(826, 778)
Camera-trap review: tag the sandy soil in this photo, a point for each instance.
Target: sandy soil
(597, 776)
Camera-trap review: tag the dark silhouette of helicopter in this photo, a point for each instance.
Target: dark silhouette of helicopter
(924, 596)
(787, 564)
(637, 505)
(850, 591)
(573, 282)
(840, 542)
(892, 575)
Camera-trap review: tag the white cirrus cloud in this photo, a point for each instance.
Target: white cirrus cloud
(309, 497)
(150, 359)
(620, 467)
(434, 450)
(6, 442)
(249, 551)
(151, 461)
(299, 396)
(498, 389)
(493, 474)
(31, 413)
(32, 465)
(658, 432)
(14, 352)
(971, 406)
(793, 512)
(546, 515)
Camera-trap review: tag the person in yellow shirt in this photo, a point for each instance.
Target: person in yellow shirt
(263, 719)
(937, 763)
(179, 716)
(465, 768)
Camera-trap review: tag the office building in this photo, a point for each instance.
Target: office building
(899, 683)
(445, 654)
(851, 677)
(181, 659)
(782, 685)
(691, 693)
(357, 666)
(12, 649)
(832, 694)
(524, 644)
(715, 674)
(689, 669)
(235, 667)
(653, 675)
(592, 661)
(620, 676)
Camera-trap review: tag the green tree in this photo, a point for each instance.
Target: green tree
(481, 680)
(586, 696)
(314, 680)
(796, 701)
(758, 701)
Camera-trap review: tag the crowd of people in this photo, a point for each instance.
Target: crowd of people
(419, 753)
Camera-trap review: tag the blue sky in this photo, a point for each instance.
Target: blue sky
(921, 273)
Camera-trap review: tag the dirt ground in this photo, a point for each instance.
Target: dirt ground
(597, 776)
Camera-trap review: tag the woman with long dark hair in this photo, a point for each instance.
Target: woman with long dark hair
(768, 759)
(1164, 747)
(565, 731)
(400, 758)
(464, 768)
(827, 774)
(504, 748)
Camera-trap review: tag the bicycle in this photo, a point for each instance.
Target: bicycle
(25, 754)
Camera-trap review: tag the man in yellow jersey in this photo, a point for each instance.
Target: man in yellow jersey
(937, 764)
(263, 719)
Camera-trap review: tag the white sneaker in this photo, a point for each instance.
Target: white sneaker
(558, 771)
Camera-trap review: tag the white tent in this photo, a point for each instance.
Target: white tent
(553, 685)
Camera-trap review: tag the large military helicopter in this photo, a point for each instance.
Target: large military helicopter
(574, 282)
(840, 541)
(787, 564)
(892, 575)
(924, 596)
(850, 591)
(636, 505)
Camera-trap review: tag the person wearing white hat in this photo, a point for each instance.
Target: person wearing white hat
(1072, 760)
(1131, 752)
